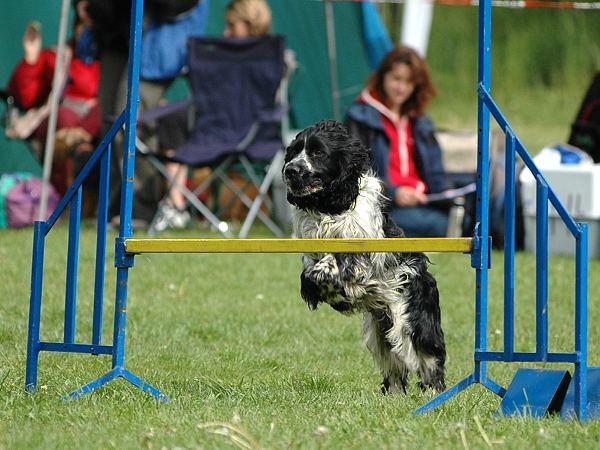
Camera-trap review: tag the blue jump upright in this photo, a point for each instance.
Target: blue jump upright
(123, 260)
(533, 392)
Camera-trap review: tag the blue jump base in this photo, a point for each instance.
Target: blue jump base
(533, 392)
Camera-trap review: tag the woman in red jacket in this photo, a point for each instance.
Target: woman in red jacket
(78, 118)
(389, 117)
(31, 81)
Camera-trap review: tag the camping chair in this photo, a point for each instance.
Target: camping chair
(237, 122)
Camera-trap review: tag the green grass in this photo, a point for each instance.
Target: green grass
(229, 339)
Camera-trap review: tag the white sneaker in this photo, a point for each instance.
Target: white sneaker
(170, 217)
(180, 219)
(160, 222)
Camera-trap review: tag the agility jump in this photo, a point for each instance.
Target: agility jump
(557, 388)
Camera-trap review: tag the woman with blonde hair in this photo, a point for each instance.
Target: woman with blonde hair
(244, 18)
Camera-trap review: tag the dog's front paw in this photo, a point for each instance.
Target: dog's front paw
(310, 292)
(325, 271)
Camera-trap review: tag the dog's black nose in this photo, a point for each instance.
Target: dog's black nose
(291, 171)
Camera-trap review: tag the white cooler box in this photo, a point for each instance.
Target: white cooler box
(578, 189)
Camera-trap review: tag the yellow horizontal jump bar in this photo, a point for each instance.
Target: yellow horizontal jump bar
(393, 245)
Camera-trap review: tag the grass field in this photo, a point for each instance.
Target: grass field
(246, 365)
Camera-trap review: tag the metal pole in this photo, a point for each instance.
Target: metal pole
(332, 53)
(480, 260)
(416, 25)
(35, 307)
(581, 322)
(59, 76)
(509, 246)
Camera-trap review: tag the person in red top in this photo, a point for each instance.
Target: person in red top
(78, 118)
(389, 117)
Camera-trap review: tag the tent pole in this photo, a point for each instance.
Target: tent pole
(57, 80)
(416, 25)
(332, 52)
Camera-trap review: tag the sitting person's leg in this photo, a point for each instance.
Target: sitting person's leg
(172, 132)
(178, 172)
(421, 221)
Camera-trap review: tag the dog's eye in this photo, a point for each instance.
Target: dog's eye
(314, 147)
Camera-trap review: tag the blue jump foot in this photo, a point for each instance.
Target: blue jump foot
(457, 388)
(567, 412)
(111, 375)
(535, 393)
(446, 395)
(146, 387)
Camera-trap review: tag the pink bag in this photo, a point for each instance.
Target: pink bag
(23, 202)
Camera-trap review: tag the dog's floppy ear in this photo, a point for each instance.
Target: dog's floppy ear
(355, 155)
(352, 155)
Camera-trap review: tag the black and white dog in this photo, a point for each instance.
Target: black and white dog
(335, 195)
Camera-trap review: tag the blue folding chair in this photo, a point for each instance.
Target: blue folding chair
(237, 121)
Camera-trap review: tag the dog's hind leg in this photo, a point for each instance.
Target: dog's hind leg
(427, 337)
(430, 351)
(432, 358)
(397, 380)
(431, 373)
(394, 372)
